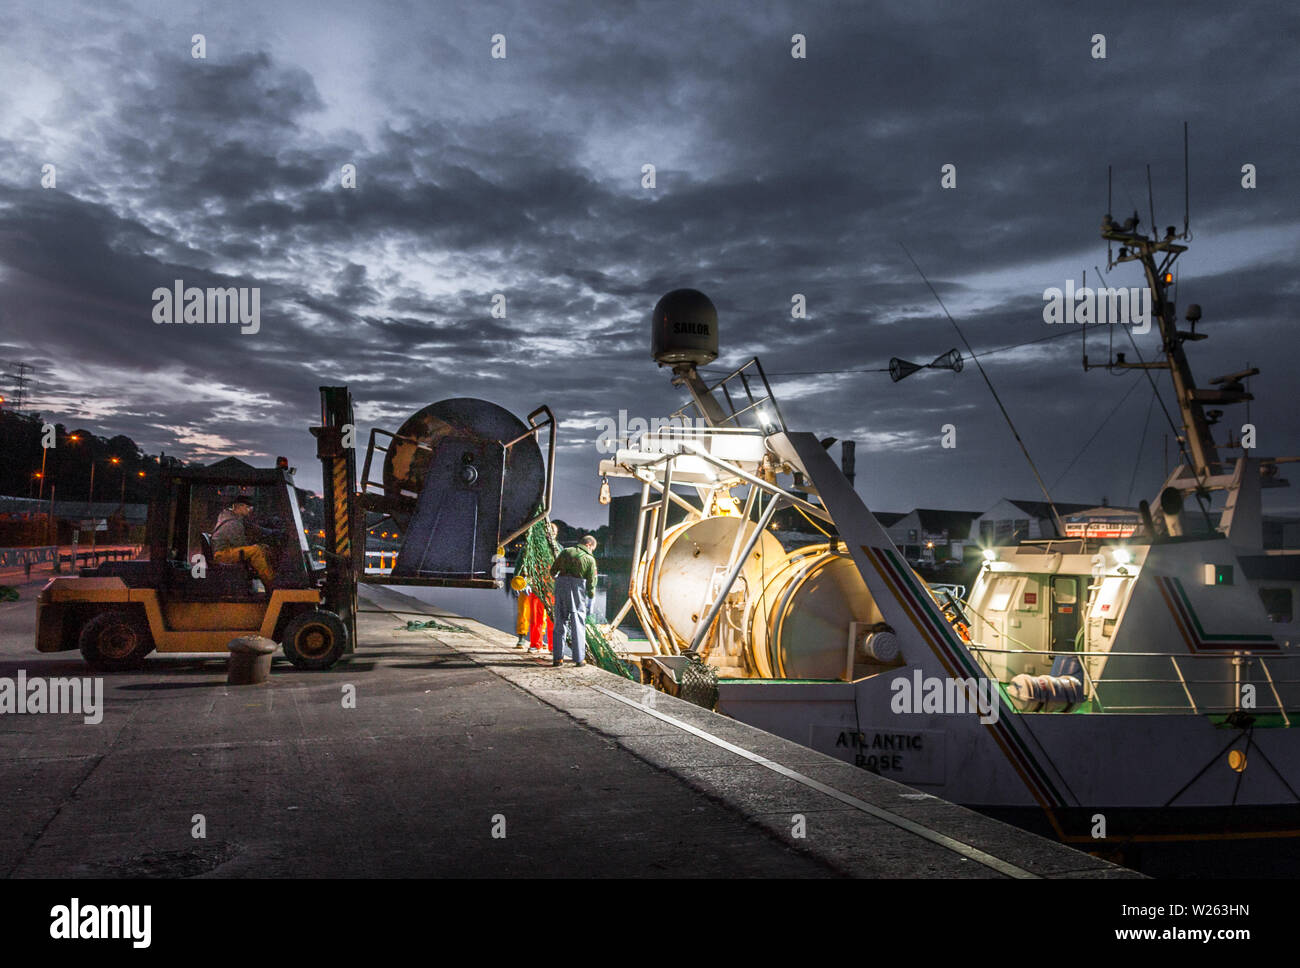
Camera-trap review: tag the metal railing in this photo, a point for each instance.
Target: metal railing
(374, 446)
(750, 386)
(1240, 660)
(380, 562)
(652, 524)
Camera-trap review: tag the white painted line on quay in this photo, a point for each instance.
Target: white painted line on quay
(911, 826)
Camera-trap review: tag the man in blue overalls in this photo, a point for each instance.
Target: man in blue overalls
(575, 588)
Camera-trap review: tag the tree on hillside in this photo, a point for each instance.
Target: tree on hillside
(68, 462)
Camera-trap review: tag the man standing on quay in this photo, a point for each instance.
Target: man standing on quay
(575, 588)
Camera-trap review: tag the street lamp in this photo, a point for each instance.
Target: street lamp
(89, 509)
(93, 462)
(75, 439)
(121, 501)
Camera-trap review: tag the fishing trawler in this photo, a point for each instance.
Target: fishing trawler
(1117, 694)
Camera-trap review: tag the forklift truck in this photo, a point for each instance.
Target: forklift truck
(180, 599)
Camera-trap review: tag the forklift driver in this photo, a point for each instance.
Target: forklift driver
(231, 540)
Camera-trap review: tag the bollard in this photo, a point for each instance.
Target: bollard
(250, 660)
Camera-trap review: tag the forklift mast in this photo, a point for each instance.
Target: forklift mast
(161, 501)
(344, 540)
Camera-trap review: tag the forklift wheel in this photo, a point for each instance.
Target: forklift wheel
(315, 639)
(115, 640)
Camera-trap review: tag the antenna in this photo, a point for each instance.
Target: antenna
(899, 369)
(1187, 234)
(1109, 208)
(1151, 201)
(1060, 525)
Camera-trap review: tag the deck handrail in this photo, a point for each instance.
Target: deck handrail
(1092, 686)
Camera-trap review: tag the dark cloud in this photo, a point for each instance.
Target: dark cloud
(775, 176)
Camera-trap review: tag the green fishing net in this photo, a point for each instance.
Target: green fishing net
(431, 625)
(534, 564)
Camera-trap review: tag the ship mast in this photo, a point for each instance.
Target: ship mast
(1157, 257)
(1202, 470)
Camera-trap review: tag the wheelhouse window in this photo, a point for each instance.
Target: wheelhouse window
(1278, 604)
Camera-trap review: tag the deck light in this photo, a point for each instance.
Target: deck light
(990, 554)
(1122, 556)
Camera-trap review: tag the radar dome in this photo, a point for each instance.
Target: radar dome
(684, 329)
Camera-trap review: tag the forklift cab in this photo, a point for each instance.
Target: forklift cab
(193, 573)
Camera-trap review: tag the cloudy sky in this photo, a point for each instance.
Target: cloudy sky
(522, 175)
